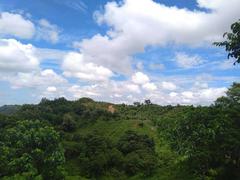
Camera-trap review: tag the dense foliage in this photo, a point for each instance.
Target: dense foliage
(209, 137)
(110, 141)
(132, 154)
(232, 42)
(31, 149)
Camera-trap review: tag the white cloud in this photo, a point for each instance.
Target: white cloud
(173, 94)
(118, 92)
(185, 61)
(47, 31)
(211, 4)
(199, 96)
(38, 80)
(112, 91)
(115, 54)
(17, 57)
(129, 31)
(190, 97)
(20, 66)
(74, 65)
(181, 26)
(140, 78)
(211, 93)
(51, 89)
(51, 54)
(84, 91)
(133, 88)
(149, 86)
(187, 94)
(16, 25)
(76, 44)
(201, 85)
(168, 86)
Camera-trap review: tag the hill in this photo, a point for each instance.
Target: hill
(9, 109)
(118, 141)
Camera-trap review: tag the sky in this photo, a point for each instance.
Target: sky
(117, 51)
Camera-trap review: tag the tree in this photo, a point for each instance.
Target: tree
(31, 149)
(234, 93)
(131, 141)
(96, 155)
(140, 156)
(209, 137)
(137, 104)
(69, 123)
(232, 42)
(147, 102)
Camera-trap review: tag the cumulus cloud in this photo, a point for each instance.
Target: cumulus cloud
(38, 80)
(51, 89)
(190, 97)
(83, 91)
(181, 26)
(16, 25)
(201, 85)
(20, 66)
(186, 61)
(129, 31)
(74, 65)
(187, 95)
(47, 31)
(113, 91)
(114, 53)
(140, 78)
(125, 92)
(133, 88)
(202, 96)
(51, 54)
(17, 57)
(149, 86)
(168, 86)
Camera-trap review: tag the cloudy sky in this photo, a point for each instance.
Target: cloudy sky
(118, 51)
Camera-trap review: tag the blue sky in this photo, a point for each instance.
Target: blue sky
(117, 51)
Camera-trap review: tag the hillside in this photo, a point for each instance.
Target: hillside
(9, 109)
(117, 141)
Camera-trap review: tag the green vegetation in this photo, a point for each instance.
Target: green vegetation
(232, 42)
(9, 109)
(31, 149)
(85, 139)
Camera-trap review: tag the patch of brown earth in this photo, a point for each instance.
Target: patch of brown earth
(111, 109)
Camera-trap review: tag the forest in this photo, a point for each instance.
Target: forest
(84, 139)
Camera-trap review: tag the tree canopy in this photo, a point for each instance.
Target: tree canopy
(31, 149)
(232, 42)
